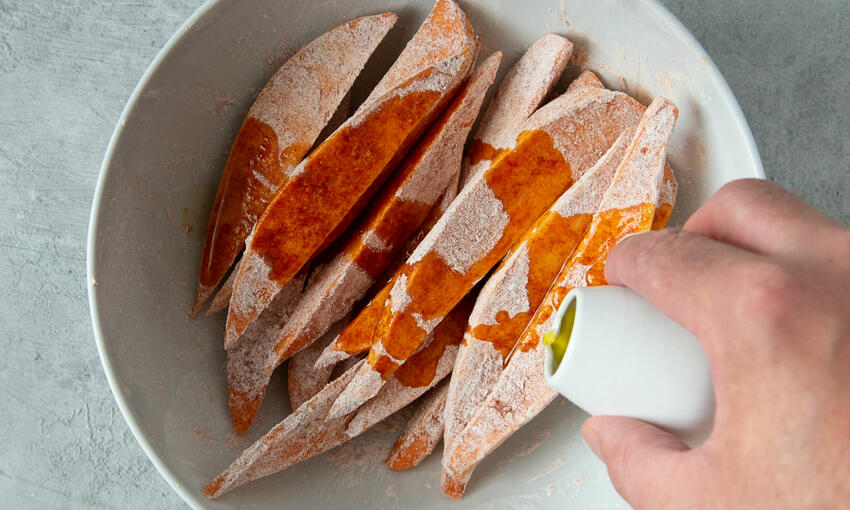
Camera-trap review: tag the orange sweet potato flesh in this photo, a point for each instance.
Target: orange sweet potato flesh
(280, 128)
(335, 177)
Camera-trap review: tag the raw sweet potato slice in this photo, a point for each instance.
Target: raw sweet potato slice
(521, 391)
(333, 179)
(280, 128)
(556, 146)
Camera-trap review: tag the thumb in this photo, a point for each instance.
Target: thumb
(643, 461)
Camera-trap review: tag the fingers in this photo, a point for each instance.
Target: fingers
(762, 217)
(645, 463)
(691, 278)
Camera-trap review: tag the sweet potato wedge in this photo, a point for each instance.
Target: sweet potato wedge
(512, 294)
(393, 216)
(521, 392)
(556, 146)
(280, 128)
(521, 91)
(339, 173)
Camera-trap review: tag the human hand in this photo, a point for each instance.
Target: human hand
(763, 280)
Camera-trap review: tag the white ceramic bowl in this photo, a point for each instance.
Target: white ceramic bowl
(153, 200)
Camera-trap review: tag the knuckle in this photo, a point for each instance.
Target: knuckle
(643, 253)
(771, 292)
(733, 191)
(734, 195)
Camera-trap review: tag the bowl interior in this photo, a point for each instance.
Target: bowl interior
(155, 193)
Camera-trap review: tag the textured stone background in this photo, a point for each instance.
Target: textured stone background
(66, 70)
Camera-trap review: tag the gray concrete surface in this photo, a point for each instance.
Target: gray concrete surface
(66, 70)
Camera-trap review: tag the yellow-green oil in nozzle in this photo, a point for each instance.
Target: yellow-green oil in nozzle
(558, 342)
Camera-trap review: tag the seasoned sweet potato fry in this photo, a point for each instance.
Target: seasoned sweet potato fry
(393, 216)
(301, 435)
(280, 128)
(524, 86)
(247, 375)
(306, 432)
(556, 146)
(357, 337)
(585, 79)
(423, 431)
(337, 175)
(420, 372)
(512, 294)
(222, 298)
(521, 392)
(303, 379)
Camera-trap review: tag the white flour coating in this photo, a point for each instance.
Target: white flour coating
(667, 196)
(638, 179)
(429, 44)
(476, 370)
(262, 288)
(374, 241)
(301, 435)
(505, 291)
(304, 380)
(247, 371)
(394, 395)
(380, 351)
(449, 195)
(518, 396)
(222, 298)
(399, 298)
(334, 291)
(585, 79)
(479, 363)
(426, 325)
(253, 292)
(330, 295)
(575, 275)
(425, 426)
(445, 74)
(442, 78)
(264, 182)
(469, 230)
(304, 93)
(519, 94)
(585, 195)
(523, 88)
(441, 162)
(366, 383)
(585, 123)
(332, 355)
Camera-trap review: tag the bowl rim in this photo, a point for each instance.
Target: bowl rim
(193, 498)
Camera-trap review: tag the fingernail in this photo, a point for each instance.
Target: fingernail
(591, 439)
